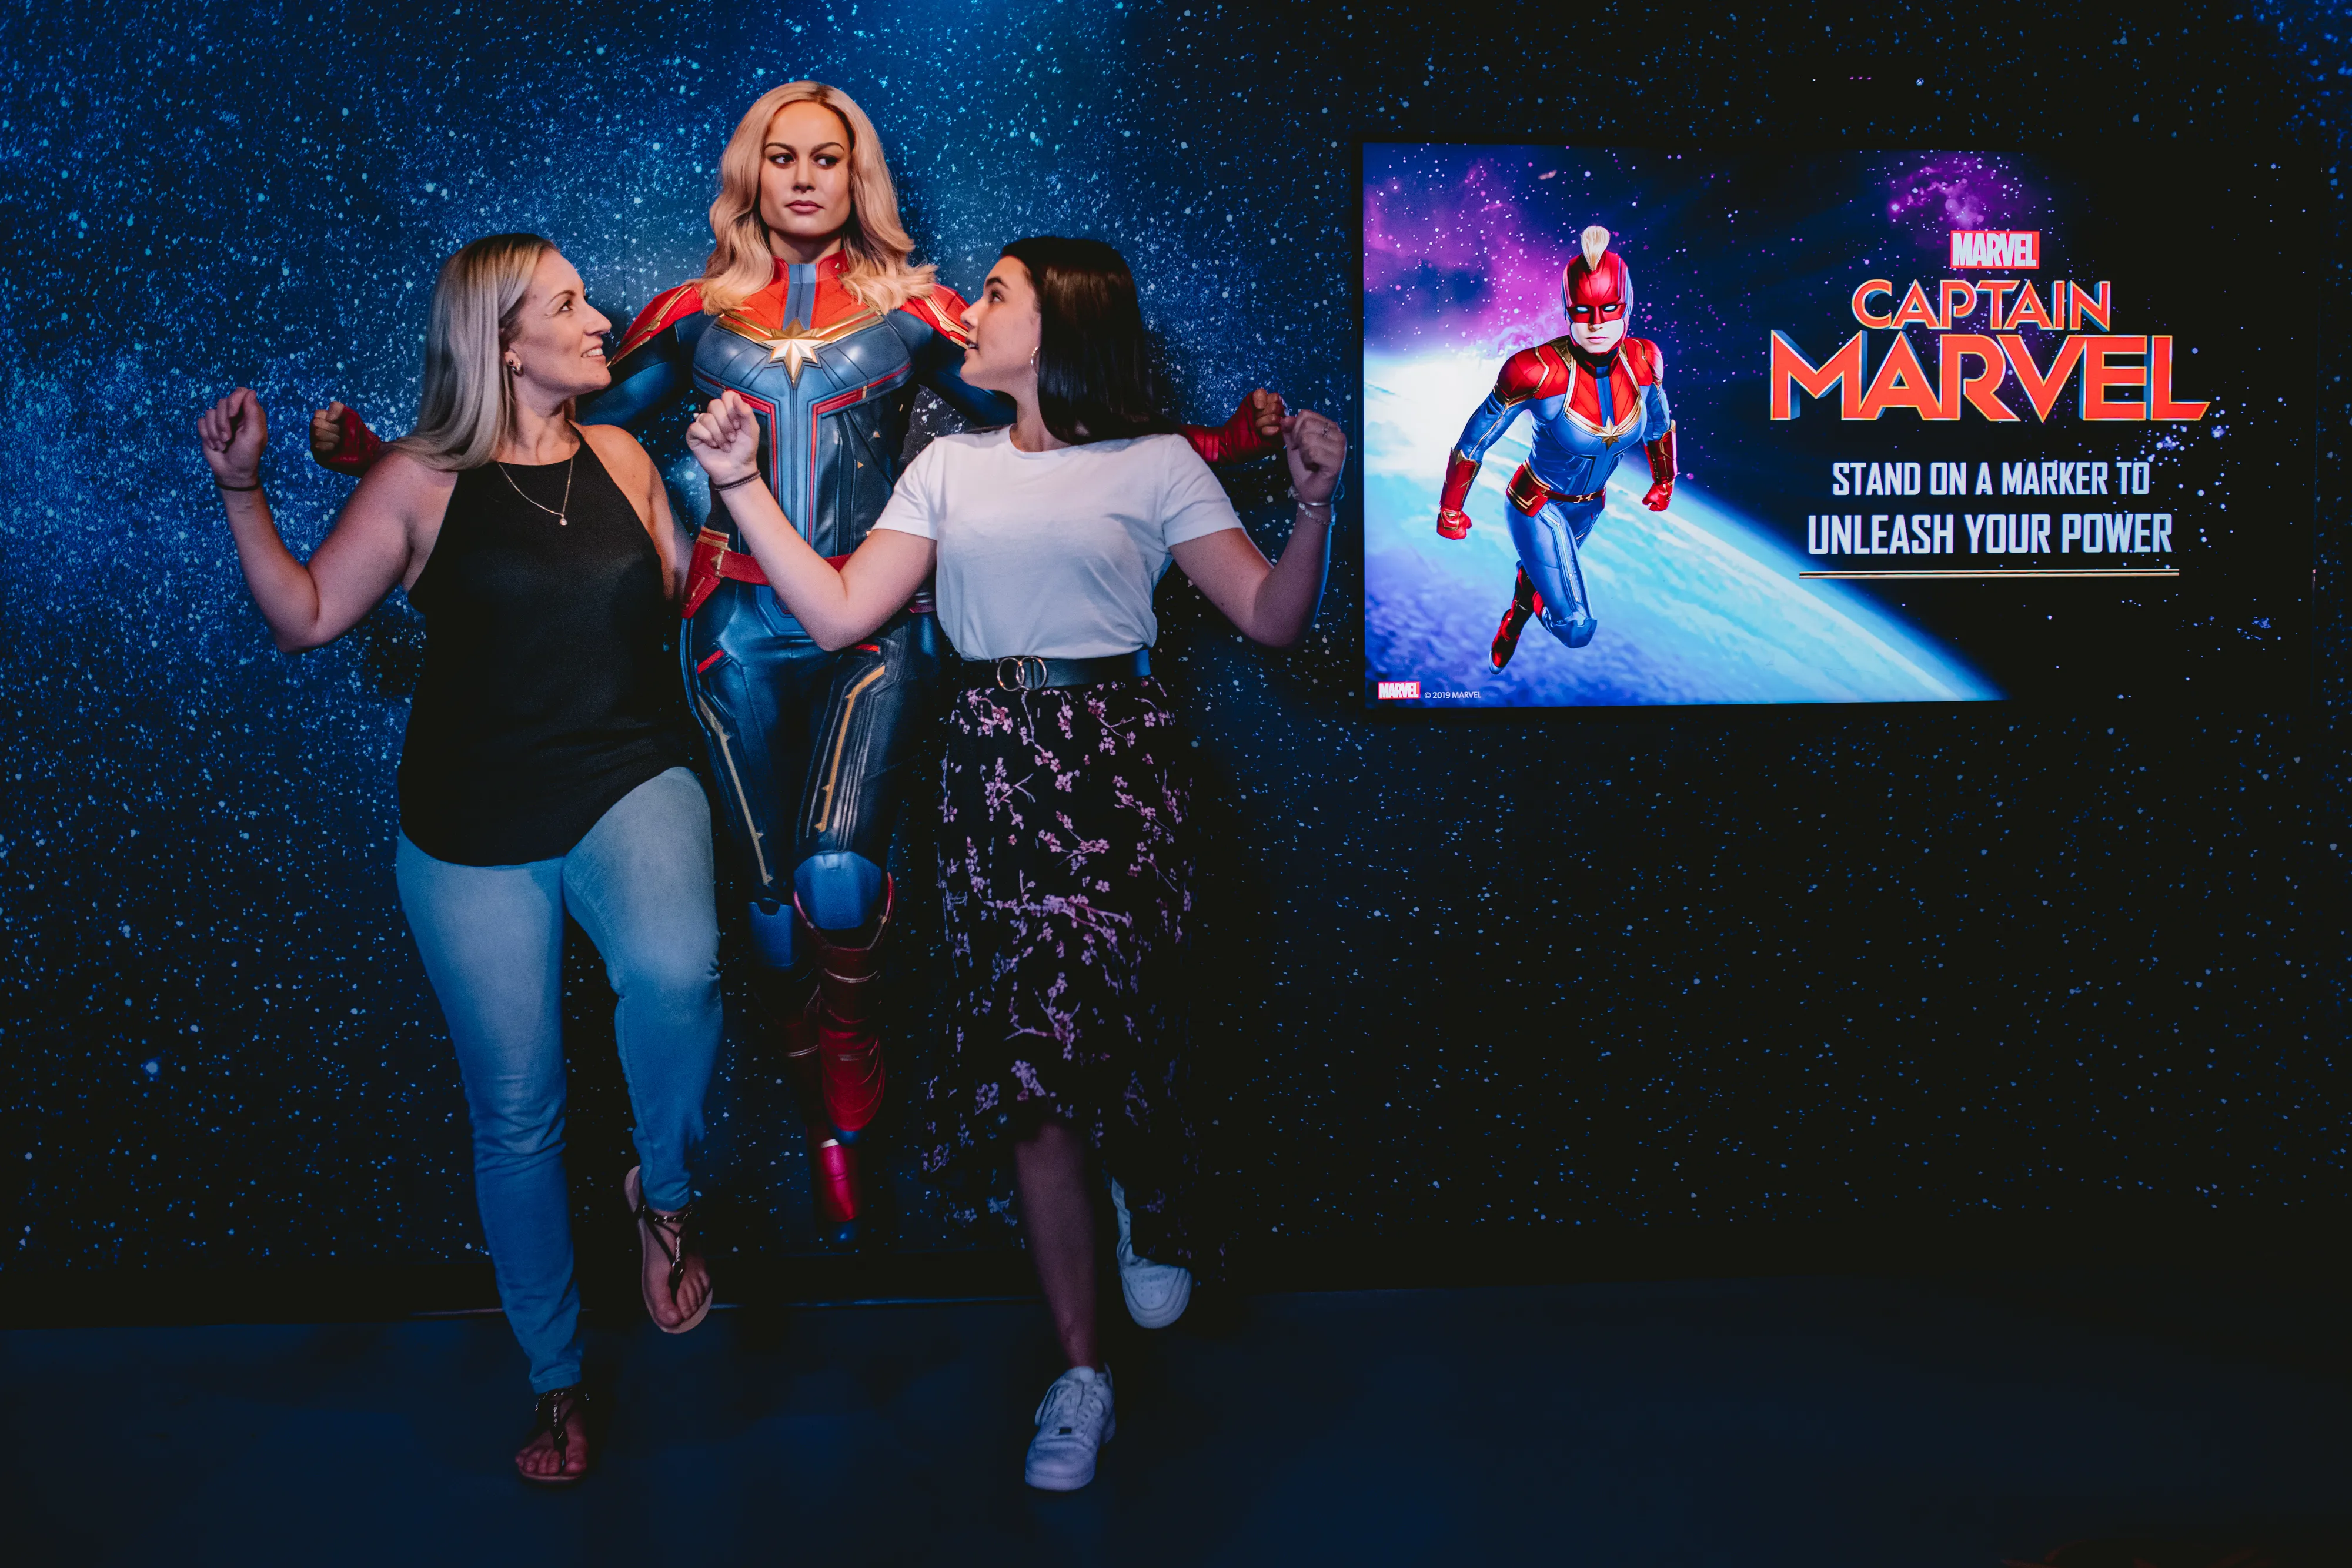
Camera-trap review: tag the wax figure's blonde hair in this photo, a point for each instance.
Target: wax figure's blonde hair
(880, 253)
(468, 406)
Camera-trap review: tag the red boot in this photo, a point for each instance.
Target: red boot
(848, 1037)
(1524, 603)
(834, 1185)
(833, 1164)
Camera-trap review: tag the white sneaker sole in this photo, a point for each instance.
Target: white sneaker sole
(1167, 1311)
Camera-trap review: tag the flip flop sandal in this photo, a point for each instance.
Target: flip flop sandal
(556, 1410)
(666, 1232)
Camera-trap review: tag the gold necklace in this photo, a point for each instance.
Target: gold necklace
(559, 513)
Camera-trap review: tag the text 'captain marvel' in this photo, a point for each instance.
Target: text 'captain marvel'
(811, 312)
(1596, 394)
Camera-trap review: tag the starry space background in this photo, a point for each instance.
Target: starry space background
(1463, 252)
(1685, 987)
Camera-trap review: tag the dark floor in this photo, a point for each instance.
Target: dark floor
(1808, 1421)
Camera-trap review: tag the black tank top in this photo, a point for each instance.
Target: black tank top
(550, 688)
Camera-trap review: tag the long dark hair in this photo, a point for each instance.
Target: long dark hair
(1097, 375)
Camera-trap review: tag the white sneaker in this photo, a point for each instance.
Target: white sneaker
(1073, 1419)
(1157, 1293)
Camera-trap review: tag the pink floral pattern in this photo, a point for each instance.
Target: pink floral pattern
(1065, 874)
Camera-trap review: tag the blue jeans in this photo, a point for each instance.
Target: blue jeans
(492, 940)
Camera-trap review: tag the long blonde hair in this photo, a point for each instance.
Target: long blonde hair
(880, 272)
(468, 406)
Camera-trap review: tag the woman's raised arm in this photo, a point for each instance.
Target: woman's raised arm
(373, 546)
(836, 606)
(1274, 603)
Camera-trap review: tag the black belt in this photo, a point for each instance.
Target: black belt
(1029, 672)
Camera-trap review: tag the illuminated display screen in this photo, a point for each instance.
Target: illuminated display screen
(1852, 427)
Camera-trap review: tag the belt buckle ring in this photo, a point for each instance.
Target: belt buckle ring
(1020, 663)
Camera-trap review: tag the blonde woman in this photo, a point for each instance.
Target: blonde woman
(544, 768)
(813, 312)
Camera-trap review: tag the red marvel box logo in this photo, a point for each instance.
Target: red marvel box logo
(2016, 248)
(1399, 689)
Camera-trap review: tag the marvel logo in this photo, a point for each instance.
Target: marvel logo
(2016, 248)
(1399, 689)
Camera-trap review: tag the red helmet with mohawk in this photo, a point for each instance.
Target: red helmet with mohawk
(1596, 289)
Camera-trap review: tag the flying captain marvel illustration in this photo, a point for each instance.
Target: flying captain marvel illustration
(1596, 393)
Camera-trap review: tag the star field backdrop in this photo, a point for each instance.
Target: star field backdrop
(1513, 989)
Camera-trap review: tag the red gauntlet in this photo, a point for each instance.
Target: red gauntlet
(1662, 472)
(1232, 441)
(1461, 472)
(358, 450)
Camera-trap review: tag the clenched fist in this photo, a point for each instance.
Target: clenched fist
(233, 433)
(1316, 449)
(725, 439)
(1265, 411)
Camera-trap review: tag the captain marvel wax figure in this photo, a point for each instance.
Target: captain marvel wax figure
(810, 310)
(1597, 393)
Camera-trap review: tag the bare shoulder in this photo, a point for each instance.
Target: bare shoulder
(404, 483)
(623, 457)
(619, 452)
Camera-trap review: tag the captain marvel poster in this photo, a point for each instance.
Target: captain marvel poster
(1688, 427)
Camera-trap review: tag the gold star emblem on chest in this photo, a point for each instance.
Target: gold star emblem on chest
(792, 345)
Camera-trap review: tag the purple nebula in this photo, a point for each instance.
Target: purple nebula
(1960, 191)
(1450, 253)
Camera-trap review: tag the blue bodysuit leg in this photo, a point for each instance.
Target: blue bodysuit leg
(1548, 544)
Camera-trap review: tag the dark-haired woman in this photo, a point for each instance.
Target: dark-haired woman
(544, 769)
(1064, 857)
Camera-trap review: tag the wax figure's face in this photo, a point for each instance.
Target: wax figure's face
(1004, 326)
(804, 180)
(557, 342)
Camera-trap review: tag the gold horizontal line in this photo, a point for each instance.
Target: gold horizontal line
(2015, 571)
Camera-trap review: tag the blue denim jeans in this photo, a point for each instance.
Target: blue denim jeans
(639, 883)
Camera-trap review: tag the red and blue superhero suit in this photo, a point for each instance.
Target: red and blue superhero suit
(807, 747)
(1589, 410)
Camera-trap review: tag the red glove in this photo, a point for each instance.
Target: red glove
(1255, 430)
(1661, 471)
(340, 440)
(1453, 522)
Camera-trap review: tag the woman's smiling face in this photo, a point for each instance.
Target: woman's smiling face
(1005, 328)
(557, 340)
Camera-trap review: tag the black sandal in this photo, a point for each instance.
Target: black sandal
(557, 1410)
(666, 1232)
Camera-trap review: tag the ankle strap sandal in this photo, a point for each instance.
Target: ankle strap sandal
(554, 1415)
(669, 1233)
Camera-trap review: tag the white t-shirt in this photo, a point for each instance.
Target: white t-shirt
(1055, 553)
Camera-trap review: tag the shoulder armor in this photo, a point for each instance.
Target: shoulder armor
(1645, 360)
(941, 309)
(1532, 373)
(666, 309)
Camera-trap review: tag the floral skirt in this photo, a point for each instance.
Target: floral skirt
(1066, 872)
